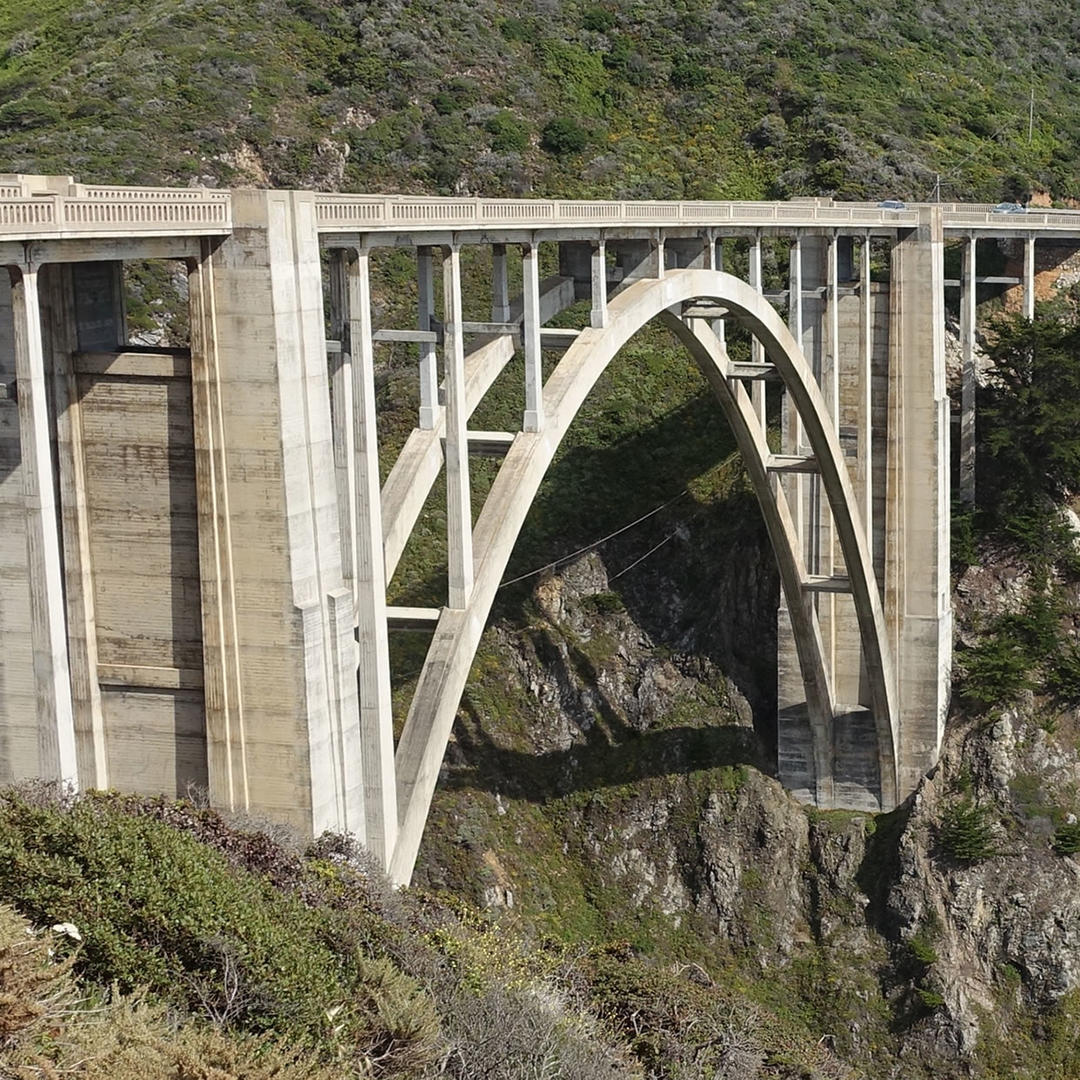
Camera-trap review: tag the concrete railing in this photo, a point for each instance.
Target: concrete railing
(59, 207)
(364, 212)
(150, 194)
(137, 211)
(1064, 220)
(346, 213)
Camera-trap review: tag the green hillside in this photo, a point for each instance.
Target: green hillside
(611, 884)
(750, 99)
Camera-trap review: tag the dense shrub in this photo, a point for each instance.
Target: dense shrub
(597, 19)
(994, 671)
(515, 29)
(458, 94)
(563, 136)
(46, 1028)
(1067, 839)
(508, 133)
(1029, 426)
(156, 909)
(688, 74)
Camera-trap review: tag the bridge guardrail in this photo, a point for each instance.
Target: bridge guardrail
(110, 210)
(1061, 219)
(140, 212)
(344, 212)
(149, 194)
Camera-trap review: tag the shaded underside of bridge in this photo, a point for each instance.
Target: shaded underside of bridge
(195, 545)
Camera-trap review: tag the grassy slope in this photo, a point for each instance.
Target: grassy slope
(693, 99)
(312, 968)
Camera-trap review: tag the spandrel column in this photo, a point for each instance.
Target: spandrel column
(458, 498)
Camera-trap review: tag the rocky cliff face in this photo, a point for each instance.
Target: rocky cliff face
(607, 782)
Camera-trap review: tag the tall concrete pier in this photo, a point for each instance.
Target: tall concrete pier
(195, 543)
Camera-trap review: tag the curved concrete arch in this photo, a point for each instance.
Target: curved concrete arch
(457, 635)
(709, 355)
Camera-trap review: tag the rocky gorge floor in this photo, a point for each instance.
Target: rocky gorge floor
(607, 781)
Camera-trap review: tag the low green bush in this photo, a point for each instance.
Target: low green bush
(156, 908)
(923, 952)
(689, 74)
(994, 671)
(1067, 839)
(508, 133)
(597, 19)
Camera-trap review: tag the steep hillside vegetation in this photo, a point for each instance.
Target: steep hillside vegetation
(612, 884)
(206, 951)
(691, 99)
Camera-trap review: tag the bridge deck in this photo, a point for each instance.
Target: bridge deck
(39, 208)
(408, 214)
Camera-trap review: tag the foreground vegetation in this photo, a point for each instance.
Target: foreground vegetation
(162, 942)
(693, 100)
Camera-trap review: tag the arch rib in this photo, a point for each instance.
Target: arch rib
(709, 354)
(431, 715)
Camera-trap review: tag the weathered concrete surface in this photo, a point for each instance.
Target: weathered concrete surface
(18, 731)
(297, 687)
(857, 379)
(916, 579)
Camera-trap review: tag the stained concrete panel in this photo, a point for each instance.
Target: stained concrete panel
(139, 458)
(156, 739)
(140, 477)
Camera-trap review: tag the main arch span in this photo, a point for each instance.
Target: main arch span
(458, 632)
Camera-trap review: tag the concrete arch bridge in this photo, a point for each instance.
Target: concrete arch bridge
(195, 545)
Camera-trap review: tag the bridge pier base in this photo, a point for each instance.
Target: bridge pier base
(917, 601)
(874, 349)
(284, 740)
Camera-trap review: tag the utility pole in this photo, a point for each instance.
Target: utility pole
(1031, 113)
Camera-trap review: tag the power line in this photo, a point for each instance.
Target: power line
(655, 547)
(596, 543)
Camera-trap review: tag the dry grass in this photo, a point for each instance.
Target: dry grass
(49, 1031)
